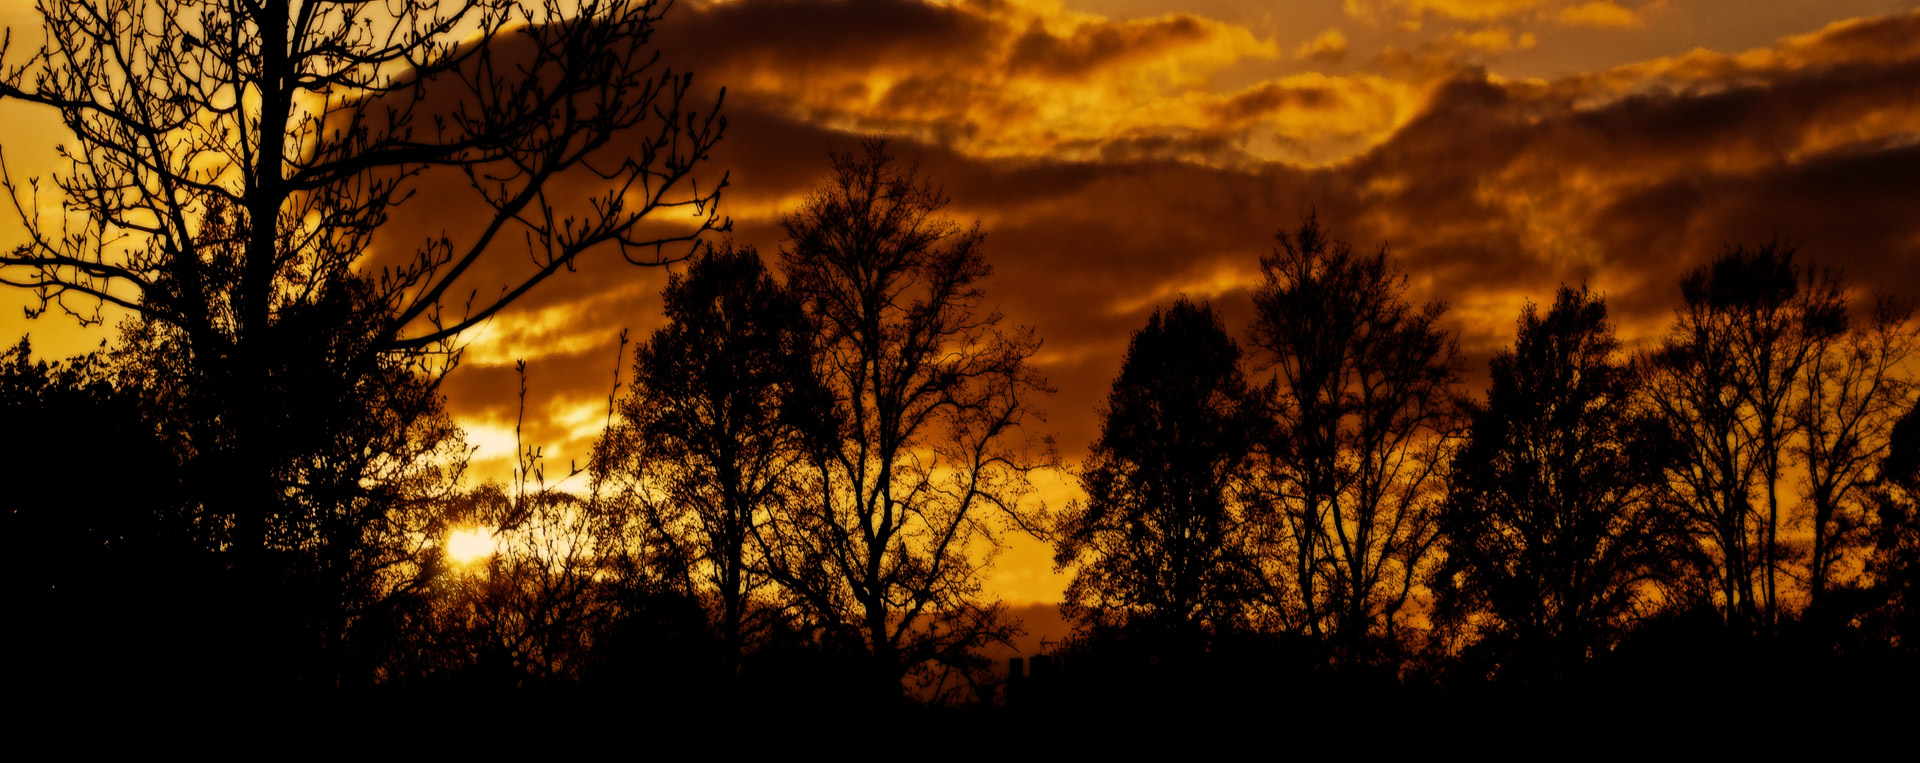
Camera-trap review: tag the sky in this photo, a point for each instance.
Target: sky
(1122, 153)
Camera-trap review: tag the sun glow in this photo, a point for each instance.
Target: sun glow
(470, 544)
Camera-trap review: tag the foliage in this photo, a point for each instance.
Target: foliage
(711, 435)
(1555, 528)
(1166, 540)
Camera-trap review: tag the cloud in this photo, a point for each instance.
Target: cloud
(1272, 97)
(1467, 10)
(1489, 191)
(1490, 40)
(1092, 46)
(1329, 47)
(1599, 14)
(1009, 79)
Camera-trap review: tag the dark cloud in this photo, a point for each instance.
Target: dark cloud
(1094, 46)
(732, 42)
(1273, 97)
(1493, 193)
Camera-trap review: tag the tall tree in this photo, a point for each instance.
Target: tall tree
(1555, 525)
(1781, 315)
(1724, 385)
(1851, 395)
(233, 164)
(1165, 540)
(1367, 415)
(712, 433)
(923, 458)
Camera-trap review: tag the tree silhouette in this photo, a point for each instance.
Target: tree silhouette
(1555, 526)
(1895, 558)
(1723, 383)
(1848, 401)
(712, 433)
(1164, 541)
(923, 454)
(292, 133)
(233, 164)
(1367, 415)
(1781, 315)
(97, 589)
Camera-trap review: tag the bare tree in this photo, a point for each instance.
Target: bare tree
(923, 457)
(1368, 415)
(1724, 384)
(233, 161)
(1853, 391)
(1693, 391)
(1780, 314)
(230, 181)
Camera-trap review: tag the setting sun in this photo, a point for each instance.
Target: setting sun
(469, 545)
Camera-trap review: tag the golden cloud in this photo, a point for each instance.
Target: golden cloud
(1466, 10)
(1031, 79)
(1599, 14)
(1491, 40)
(1328, 47)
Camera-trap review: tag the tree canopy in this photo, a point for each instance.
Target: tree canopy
(1167, 538)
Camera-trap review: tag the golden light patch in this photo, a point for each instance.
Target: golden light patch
(551, 330)
(469, 545)
(1491, 40)
(1330, 46)
(1236, 274)
(1466, 10)
(1599, 14)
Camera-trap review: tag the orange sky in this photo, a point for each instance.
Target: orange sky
(1122, 152)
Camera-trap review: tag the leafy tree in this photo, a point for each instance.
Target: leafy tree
(1895, 558)
(923, 456)
(1555, 527)
(1165, 540)
(712, 433)
(97, 590)
(1367, 415)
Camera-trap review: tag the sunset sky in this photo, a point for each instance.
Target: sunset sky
(1120, 153)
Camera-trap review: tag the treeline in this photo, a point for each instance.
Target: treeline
(798, 487)
(804, 475)
(1729, 513)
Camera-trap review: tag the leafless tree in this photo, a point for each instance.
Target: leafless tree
(1855, 388)
(230, 183)
(1724, 384)
(234, 161)
(1367, 416)
(923, 456)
